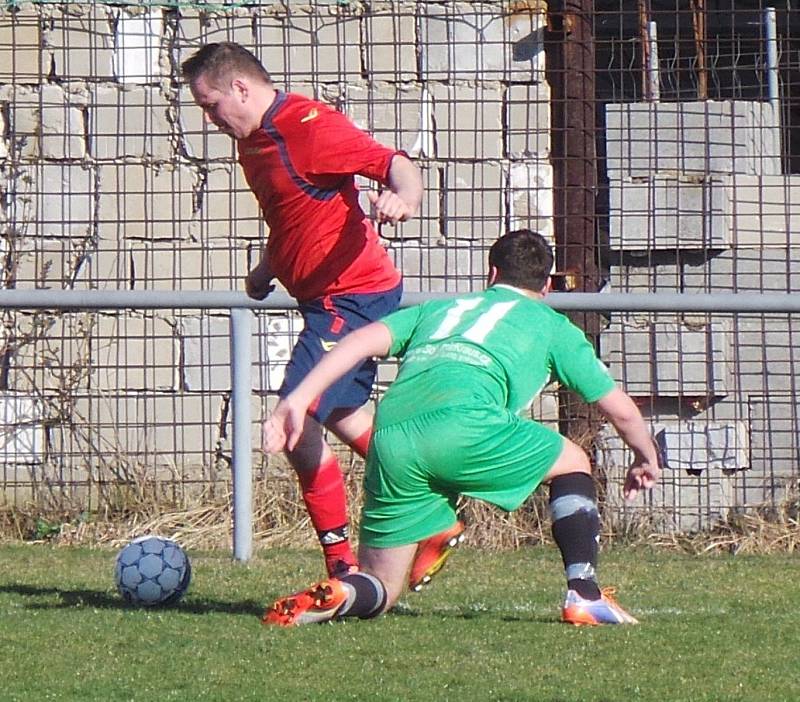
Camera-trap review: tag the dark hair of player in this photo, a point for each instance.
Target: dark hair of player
(220, 60)
(523, 259)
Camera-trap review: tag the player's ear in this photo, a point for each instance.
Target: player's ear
(548, 286)
(491, 277)
(240, 88)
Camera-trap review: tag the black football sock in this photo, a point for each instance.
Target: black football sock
(576, 530)
(367, 596)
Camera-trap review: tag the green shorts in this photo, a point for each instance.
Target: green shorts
(417, 468)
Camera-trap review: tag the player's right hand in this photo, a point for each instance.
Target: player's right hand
(273, 437)
(282, 429)
(257, 284)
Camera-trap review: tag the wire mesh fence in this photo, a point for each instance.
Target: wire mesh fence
(656, 144)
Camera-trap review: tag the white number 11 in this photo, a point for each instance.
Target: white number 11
(480, 328)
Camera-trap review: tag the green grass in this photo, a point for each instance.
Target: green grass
(713, 628)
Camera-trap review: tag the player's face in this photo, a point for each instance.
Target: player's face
(225, 109)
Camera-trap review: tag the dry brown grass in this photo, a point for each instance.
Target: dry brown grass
(764, 531)
(280, 520)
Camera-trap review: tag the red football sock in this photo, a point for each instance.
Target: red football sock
(326, 501)
(361, 444)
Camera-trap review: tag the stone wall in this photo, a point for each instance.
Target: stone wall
(699, 204)
(111, 180)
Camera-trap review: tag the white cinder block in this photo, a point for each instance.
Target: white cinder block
(765, 210)
(205, 344)
(669, 213)
(704, 445)
(683, 138)
(479, 41)
(668, 359)
(531, 197)
(22, 440)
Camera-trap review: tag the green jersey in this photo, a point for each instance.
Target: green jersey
(449, 423)
(498, 347)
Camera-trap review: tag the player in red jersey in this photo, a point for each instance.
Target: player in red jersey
(300, 158)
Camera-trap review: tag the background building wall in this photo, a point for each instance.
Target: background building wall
(110, 179)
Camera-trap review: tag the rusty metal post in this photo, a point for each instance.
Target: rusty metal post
(571, 74)
(699, 26)
(570, 67)
(644, 45)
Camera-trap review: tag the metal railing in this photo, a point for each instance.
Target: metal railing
(241, 332)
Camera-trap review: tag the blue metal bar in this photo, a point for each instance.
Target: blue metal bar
(241, 458)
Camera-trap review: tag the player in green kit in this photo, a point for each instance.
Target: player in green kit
(449, 426)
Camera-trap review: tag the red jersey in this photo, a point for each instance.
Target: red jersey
(300, 164)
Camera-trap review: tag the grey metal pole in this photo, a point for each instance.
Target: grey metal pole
(676, 302)
(588, 302)
(770, 26)
(139, 299)
(241, 387)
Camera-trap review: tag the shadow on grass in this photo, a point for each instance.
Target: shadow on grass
(404, 610)
(103, 600)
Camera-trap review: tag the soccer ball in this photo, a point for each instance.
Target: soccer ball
(152, 570)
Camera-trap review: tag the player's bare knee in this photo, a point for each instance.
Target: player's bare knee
(572, 459)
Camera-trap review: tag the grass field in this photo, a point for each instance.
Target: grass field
(713, 628)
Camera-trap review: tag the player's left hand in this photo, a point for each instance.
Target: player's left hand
(641, 476)
(388, 207)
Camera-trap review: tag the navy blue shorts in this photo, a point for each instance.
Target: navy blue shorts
(327, 320)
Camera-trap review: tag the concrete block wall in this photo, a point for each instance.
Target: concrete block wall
(762, 356)
(732, 270)
(698, 212)
(659, 212)
(105, 98)
(698, 203)
(192, 426)
(701, 474)
(774, 440)
(765, 210)
(697, 175)
(666, 359)
(701, 138)
(111, 179)
(205, 342)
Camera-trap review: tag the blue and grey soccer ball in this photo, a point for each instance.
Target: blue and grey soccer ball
(152, 570)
